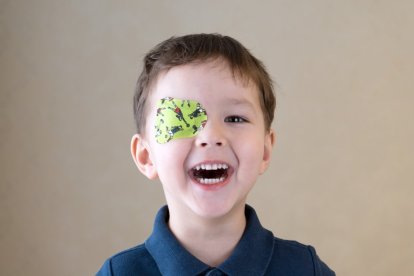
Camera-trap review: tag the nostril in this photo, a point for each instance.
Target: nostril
(204, 144)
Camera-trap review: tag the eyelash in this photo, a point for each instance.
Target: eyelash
(235, 119)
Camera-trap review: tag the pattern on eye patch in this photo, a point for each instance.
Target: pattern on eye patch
(178, 118)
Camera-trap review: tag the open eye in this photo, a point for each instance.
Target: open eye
(235, 119)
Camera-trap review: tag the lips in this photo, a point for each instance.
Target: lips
(210, 173)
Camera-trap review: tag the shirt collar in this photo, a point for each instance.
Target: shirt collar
(250, 257)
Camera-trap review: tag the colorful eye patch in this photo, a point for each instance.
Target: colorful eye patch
(177, 118)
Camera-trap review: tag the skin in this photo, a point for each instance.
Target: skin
(207, 220)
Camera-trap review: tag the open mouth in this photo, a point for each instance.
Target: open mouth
(211, 173)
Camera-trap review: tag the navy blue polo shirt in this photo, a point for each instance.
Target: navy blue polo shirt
(257, 253)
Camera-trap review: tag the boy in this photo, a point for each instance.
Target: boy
(204, 107)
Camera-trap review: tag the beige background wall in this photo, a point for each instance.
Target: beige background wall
(342, 174)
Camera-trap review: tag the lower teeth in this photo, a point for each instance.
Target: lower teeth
(210, 180)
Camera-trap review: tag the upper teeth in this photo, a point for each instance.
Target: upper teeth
(211, 166)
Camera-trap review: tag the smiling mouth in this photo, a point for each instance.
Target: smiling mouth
(211, 173)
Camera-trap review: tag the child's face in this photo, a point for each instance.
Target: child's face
(234, 137)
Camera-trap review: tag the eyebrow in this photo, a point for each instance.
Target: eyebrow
(234, 101)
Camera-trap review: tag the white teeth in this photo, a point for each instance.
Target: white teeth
(211, 166)
(210, 180)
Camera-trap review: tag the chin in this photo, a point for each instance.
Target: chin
(213, 211)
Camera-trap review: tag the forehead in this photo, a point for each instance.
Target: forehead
(206, 82)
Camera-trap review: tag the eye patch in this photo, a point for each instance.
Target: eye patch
(178, 118)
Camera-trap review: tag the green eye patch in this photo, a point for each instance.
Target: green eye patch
(177, 118)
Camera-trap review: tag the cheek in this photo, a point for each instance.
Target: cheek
(251, 152)
(171, 158)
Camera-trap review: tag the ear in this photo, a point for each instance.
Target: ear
(142, 157)
(270, 139)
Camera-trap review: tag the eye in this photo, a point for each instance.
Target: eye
(235, 119)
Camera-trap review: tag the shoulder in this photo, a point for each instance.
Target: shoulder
(134, 261)
(294, 258)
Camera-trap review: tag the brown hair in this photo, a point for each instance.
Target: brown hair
(186, 49)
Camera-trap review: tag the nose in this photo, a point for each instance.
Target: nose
(211, 135)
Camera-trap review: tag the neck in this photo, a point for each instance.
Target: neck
(211, 240)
